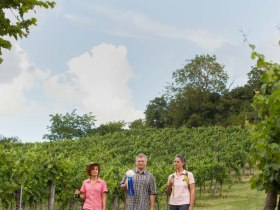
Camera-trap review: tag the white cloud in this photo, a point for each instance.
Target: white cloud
(102, 75)
(138, 25)
(60, 89)
(77, 19)
(206, 39)
(237, 62)
(21, 76)
(28, 90)
(10, 68)
(96, 82)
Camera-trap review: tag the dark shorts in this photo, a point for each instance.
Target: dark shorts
(179, 207)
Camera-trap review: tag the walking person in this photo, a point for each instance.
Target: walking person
(93, 190)
(181, 186)
(140, 186)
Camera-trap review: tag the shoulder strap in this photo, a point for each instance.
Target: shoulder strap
(187, 179)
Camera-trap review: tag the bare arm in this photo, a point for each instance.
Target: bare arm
(192, 196)
(170, 184)
(152, 201)
(82, 195)
(123, 186)
(104, 197)
(123, 183)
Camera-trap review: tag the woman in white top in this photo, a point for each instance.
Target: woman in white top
(181, 185)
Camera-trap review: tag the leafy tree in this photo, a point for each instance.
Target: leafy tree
(19, 27)
(265, 134)
(70, 126)
(237, 106)
(156, 112)
(194, 97)
(137, 124)
(109, 127)
(254, 81)
(238, 101)
(13, 139)
(198, 97)
(194, 107)
(202, 72)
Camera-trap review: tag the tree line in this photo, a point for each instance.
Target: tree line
(198, 96)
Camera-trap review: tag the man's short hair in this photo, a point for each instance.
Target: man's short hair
(141, 155)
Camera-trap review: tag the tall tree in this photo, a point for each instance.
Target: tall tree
(12, 139)
(203, 72)
(238, 106)
(137, 124)
(254, 78)
(110, 127)
(193, 98)
(156, 112)
(265, 134)
(70, 126)
(19, 26)
(194, 107)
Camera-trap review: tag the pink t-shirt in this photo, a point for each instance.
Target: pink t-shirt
(93, 193)
(180, 194)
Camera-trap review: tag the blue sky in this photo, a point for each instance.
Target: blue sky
(112, 57)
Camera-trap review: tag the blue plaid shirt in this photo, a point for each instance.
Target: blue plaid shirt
(144, 186)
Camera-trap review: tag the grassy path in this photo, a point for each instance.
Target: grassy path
(239, 197)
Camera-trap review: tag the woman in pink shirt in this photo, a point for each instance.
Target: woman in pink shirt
(182, 186)
(93, 190)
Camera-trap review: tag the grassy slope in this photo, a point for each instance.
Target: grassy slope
(239, 197)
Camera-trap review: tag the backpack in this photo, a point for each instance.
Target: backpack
(169, 188)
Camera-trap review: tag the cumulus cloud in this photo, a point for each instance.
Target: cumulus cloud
(101, 75)
(10, 68)
(62, 91)
(96, 82)
(17, 78)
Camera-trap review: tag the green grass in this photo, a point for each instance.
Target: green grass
(239, 196)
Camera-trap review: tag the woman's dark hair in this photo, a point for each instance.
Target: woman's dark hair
(91, 166)
(183, 159)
